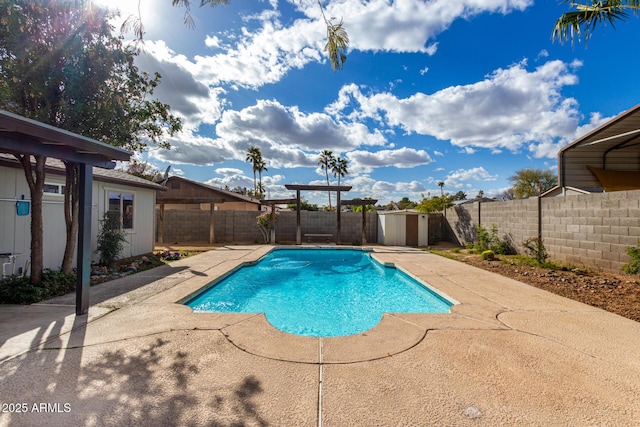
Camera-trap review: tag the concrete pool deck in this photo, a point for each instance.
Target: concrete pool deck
(508, 353)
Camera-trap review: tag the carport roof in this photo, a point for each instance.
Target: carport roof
(622, 131)
(25, 136)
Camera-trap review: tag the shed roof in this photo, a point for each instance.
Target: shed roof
(176, 195)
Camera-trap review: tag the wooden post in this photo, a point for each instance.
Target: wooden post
(272, 238)
(364, 224)
(161, 224)
(83, 266)
(212, 234)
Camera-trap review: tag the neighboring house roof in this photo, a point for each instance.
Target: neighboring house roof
(55, 166)
(614, 146)
(198, 192)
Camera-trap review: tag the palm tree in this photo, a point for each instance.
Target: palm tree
(325, 161)
(261, 166)
(585, 17)
(254, 157)
(339, 168)
(441, 185)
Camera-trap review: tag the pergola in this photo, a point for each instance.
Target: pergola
(19, 135)
(272, 204)
(298, 188)
(364, 203)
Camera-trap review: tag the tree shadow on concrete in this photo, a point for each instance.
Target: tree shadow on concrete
(146, 385)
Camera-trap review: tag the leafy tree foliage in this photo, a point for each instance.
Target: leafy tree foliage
(304, 206)
(532, 182)
(144, 170)
(435, 204)
(60, 64)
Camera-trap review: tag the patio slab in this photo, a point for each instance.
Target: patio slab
(507, 354)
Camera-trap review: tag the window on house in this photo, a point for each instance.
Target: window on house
(50, 188)
(121, 204)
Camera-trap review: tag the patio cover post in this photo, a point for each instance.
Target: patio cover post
(212, 234)
(84, 239)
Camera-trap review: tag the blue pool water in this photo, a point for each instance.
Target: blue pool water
(319, 292)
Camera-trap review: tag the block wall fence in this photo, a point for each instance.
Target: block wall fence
(240, 226)
(592, 229)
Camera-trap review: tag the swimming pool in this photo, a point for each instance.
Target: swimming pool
(319, 292)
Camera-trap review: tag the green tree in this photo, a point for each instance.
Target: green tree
(261, 166)
(460, 195)
(435, 204)
(255, 158)
(532, 182)
(67, 69)
(325, 161)
(586, 17)
(339, 168)
(405, 203)
(304, 206)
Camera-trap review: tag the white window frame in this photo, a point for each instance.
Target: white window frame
(60, 187)
(121, 193)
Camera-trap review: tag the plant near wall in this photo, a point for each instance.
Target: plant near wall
(265, 226)
(535, 248)
(633, 267)
(488, 240)
(111, 238)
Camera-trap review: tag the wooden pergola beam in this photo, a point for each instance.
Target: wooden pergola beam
(363, 203)
(300, 187)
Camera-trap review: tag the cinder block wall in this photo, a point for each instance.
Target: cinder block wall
(592, 229)
(241, 227)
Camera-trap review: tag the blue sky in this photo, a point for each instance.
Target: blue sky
(466, 92)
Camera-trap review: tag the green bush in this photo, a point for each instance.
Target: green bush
(535, 249)
(488, 255)
(111, 238)
(488, 240)
(634, 266)
(18, 290)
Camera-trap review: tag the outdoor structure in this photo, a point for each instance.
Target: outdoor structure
(272, 214)
(605, 159)
(403, 228)
(185, 194)
(364, 203)
(132, 197)
(28, 137)
(298, 188)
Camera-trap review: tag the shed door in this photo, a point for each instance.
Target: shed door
(411, 238)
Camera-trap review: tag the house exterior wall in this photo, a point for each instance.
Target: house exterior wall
(15, 231)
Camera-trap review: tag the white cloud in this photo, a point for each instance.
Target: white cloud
(460, 177)
(366, 161)
(511, 108)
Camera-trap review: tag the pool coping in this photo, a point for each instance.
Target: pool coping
(396, 332)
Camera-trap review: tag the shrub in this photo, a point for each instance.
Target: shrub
(489, 241)
(110, 238)
(634, 266)
(18, 290)
(535, 249)
(488, 255)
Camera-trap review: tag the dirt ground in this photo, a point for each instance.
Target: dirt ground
(616, 293)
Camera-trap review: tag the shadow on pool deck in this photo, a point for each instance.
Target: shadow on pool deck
(507, 354)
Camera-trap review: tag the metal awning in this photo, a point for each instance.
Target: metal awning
(19, 135)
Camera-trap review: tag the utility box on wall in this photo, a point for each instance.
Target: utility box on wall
(403, 228)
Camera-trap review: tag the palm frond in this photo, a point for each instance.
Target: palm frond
(583, 21)
(337, 45)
